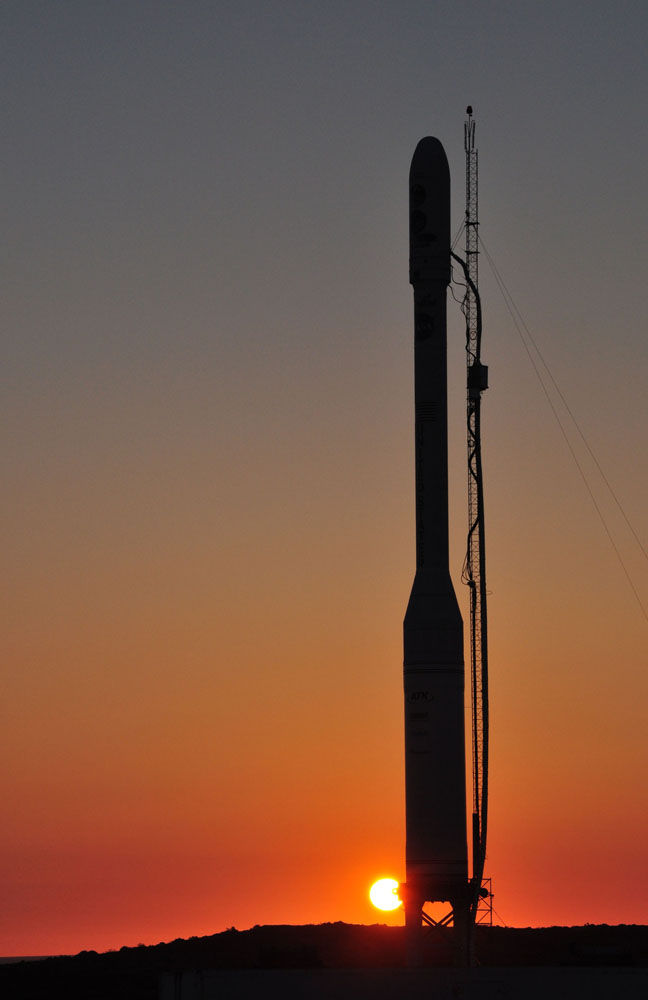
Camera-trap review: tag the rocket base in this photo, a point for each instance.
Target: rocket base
(418, 927)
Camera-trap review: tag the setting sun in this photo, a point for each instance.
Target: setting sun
(384, 894)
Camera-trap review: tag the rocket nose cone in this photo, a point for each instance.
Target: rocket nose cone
(429, 155)
(429, 199)
(430, 167)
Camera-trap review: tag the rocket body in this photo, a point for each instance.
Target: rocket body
(435, 756)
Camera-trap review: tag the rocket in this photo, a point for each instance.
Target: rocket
(435, 756)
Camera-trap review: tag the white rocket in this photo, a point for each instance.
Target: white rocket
(435, 758)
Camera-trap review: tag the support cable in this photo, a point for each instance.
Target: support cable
(512, 307)
(513, 310)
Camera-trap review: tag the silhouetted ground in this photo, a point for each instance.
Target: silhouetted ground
(132, 973)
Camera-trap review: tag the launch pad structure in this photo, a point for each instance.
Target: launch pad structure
(433, 665)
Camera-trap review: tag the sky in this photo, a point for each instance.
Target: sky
(207, 438)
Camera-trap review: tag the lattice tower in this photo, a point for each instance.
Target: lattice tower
(474, 571)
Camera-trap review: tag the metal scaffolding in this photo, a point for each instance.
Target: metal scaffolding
(474, 570)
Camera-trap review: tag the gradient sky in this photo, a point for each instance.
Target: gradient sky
(207, 421)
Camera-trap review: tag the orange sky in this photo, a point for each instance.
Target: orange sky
(219, 760)
(208, 445)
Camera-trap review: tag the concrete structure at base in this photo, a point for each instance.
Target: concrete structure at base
(435, 757)
(520, 983)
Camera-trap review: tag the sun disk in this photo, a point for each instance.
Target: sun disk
(384, 894)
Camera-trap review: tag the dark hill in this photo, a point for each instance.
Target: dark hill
(132, 973)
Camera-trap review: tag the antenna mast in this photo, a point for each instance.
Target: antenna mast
(474, 570)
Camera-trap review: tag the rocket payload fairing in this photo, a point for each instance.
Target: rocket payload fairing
(435, 756)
